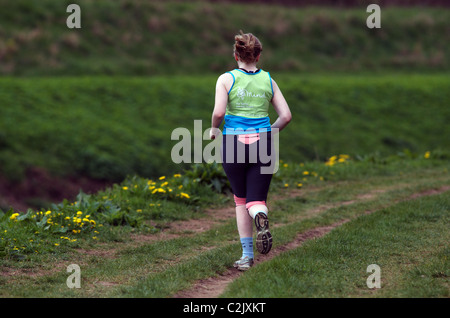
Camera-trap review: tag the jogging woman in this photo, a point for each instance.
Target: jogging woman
(243, 96)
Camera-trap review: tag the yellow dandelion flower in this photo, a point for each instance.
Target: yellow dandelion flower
(185, 195)
(427, 155)
(125, 188)
(177, 175)
(305, 173)
(162, 178)
(14, 216)
(161, 190)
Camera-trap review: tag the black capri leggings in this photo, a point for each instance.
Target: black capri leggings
(249, 165)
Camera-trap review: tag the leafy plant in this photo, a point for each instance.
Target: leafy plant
(210, 174)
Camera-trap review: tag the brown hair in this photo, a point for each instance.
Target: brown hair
(247, 47)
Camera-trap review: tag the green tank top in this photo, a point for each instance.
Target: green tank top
(250, 94)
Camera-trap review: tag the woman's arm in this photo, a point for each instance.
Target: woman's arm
(281, 107)
(224, 82)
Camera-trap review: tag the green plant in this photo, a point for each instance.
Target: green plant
(210, 174)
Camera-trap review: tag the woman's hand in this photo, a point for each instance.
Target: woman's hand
(214, 133)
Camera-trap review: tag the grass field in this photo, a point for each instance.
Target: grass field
(111, 128)
(392, 214)
(364, 165)
(408, 240)
(362, 144)
(127, 37)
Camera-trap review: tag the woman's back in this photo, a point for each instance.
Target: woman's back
(248, 102)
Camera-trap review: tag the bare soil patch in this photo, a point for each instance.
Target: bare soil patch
(39, 185)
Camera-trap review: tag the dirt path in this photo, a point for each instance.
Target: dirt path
(217, 216)
(213, 287)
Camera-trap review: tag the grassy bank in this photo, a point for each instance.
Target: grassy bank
(111, 128)
(172, 37)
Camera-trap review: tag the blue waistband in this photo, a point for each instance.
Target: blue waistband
(237, 125)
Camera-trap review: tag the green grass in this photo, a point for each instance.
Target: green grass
(407, 240)
(117, 264)
(111, 128)
(127, 37)
(61, 110)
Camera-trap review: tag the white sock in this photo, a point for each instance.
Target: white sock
(255, 209)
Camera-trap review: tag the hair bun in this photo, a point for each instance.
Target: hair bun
(247, 47)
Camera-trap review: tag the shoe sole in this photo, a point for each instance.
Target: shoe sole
(264, 242)
(243, 268)
(264, 237)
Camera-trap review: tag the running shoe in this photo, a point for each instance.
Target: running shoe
(263, 238)
(244, 263)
